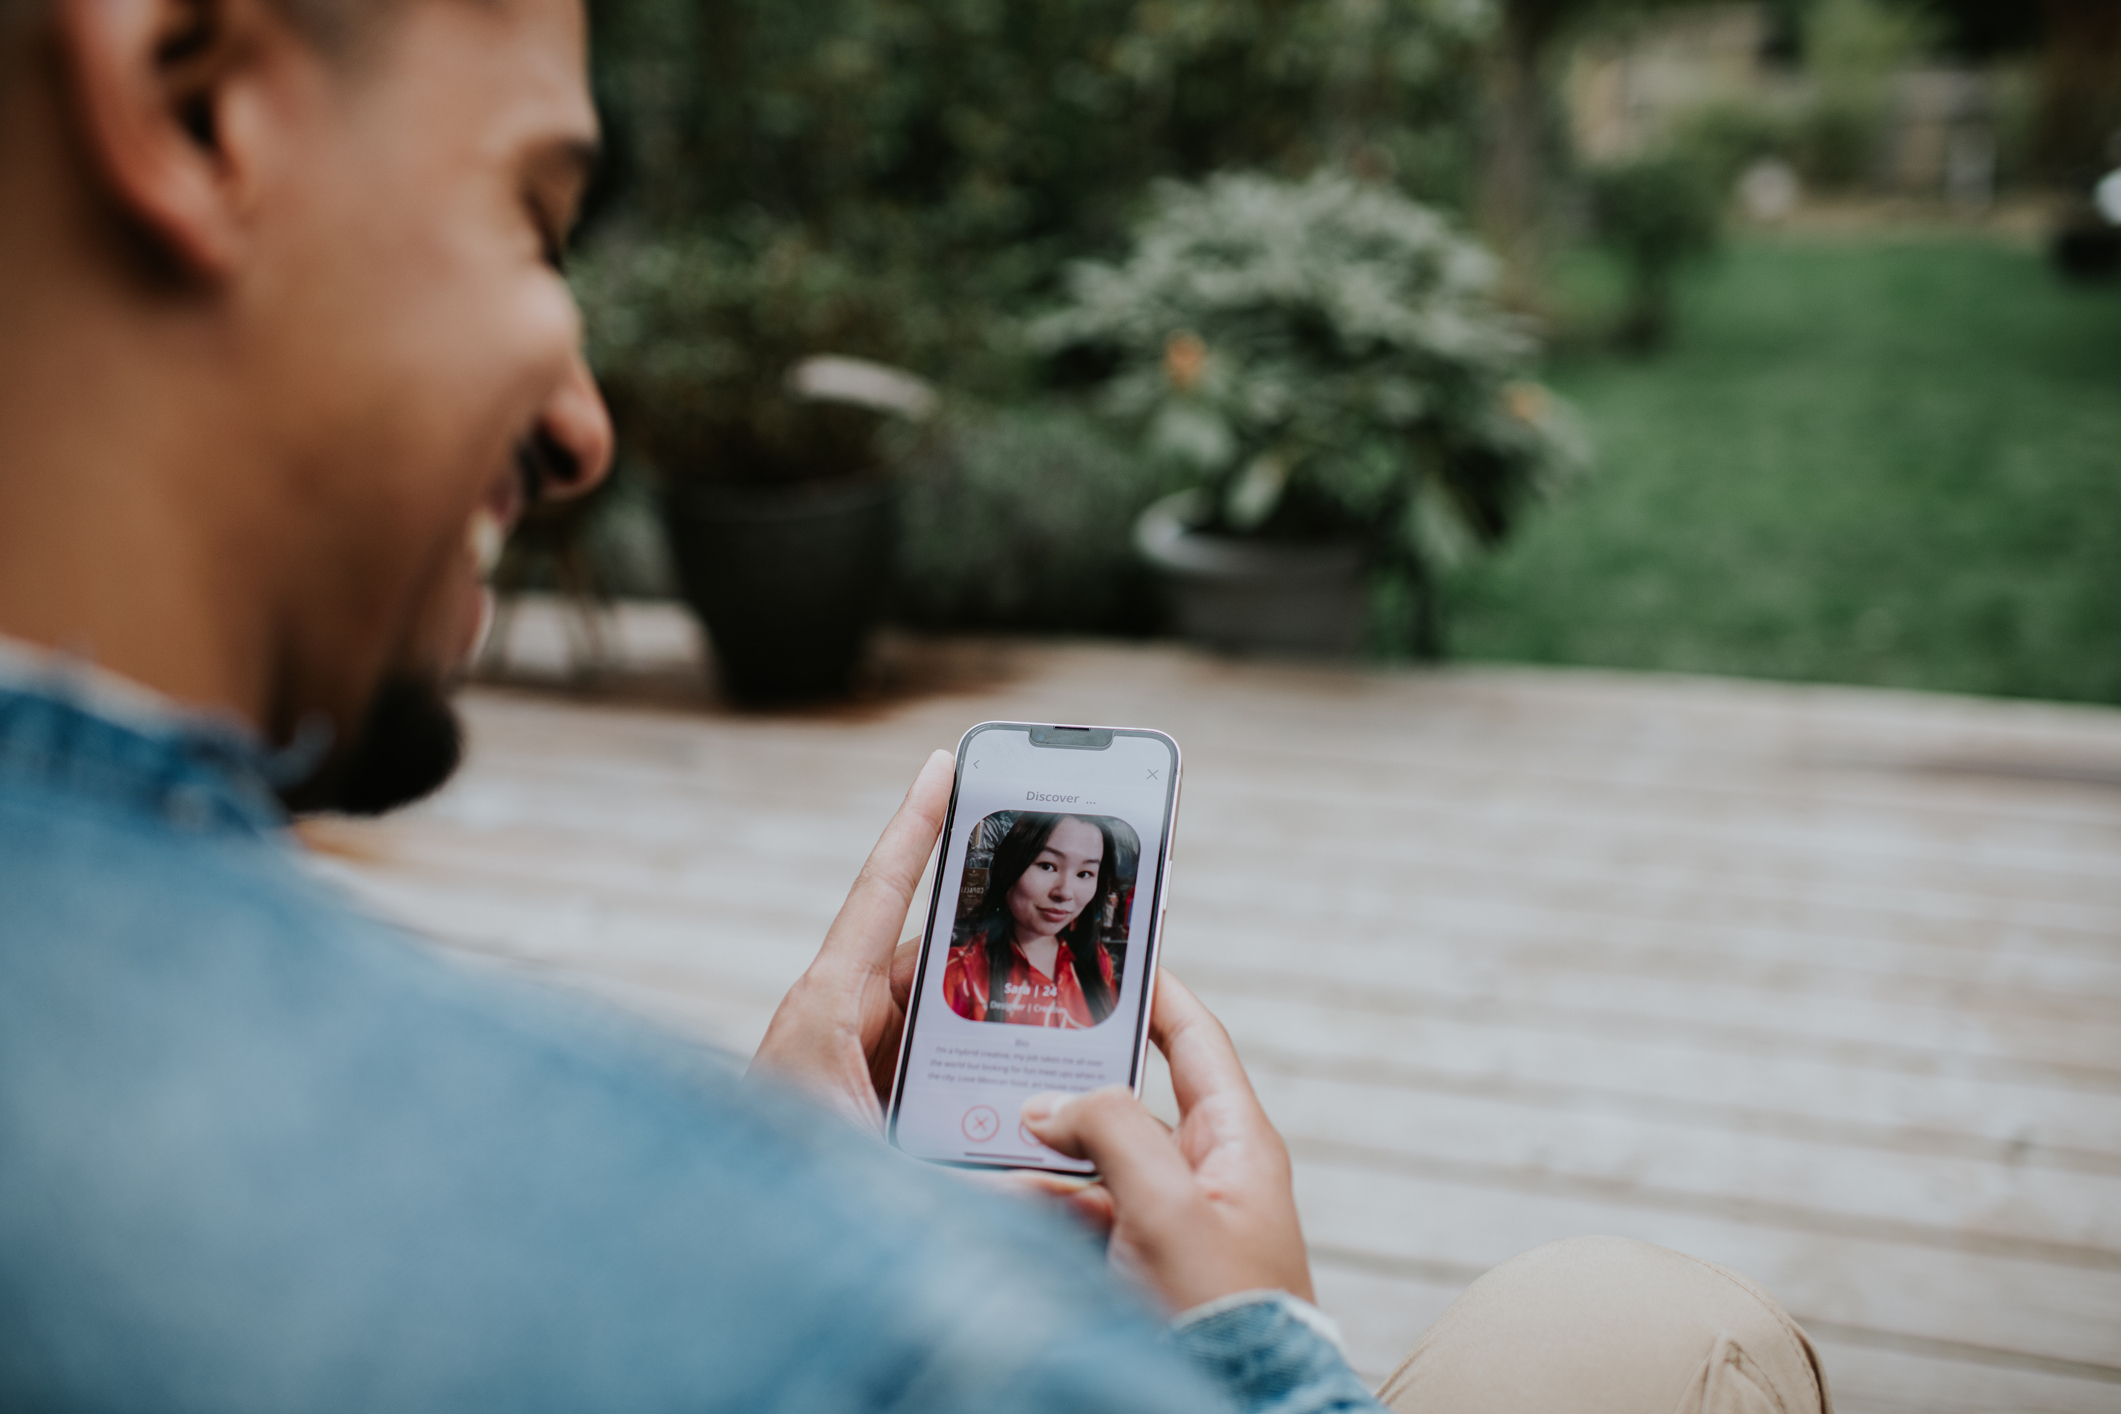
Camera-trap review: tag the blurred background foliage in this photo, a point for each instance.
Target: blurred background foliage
(907, 182)
(1326, 360)
(1021, 517)
(961, 151)
(692, 337)
(1894, 460)
(1869, 444)
(1657, 213)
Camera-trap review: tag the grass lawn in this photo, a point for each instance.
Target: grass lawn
(1895, 462)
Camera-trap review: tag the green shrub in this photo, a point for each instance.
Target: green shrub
(1829, 129)
(1852, 50)
(1836, 146)
(692, 340)
(1727, 136)
(1022, 519)
(1656, 213)
(1324, 357)
(967, 148)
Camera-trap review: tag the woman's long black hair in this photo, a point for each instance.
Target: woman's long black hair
(996, 926)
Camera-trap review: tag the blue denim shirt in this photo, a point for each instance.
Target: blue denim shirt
(259, 1152)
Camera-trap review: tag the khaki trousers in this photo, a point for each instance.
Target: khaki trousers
(1607, 1325)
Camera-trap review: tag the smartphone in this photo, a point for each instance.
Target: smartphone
(1038, 963)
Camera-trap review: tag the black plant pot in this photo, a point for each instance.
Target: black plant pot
(789, 581)
(1249, 596)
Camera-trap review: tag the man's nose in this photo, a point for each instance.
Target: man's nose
(574, 437)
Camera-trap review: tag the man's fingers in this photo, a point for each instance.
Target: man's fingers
(904, 963)
(876, 905)
(1204, 1060)
(1093, 1208)
(1136, 1157)
(1088, 1203)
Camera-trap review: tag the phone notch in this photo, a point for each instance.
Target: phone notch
(1073, 738)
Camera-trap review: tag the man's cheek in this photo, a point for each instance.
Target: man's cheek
(489, 611)
(449, 616)
(469, 612)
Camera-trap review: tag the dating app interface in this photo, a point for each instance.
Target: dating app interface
(1039, 950)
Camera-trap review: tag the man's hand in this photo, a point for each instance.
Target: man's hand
(1198, 1213)
(837, 1031)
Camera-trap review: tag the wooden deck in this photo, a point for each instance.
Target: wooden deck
(1824, 984)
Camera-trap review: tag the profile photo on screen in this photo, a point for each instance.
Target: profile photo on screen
(1042, 919)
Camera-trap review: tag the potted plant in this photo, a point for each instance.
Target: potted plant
(1322, 360)
(732, 370)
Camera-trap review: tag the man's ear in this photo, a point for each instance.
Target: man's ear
(150, 84)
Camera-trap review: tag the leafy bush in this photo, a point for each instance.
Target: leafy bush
(1325, 357)
(1656, 213)
(1022, 519)
(967, 148)
(1726, 136)
(1853, 49)
(692, 340)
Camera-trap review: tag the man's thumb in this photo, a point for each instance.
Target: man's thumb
(1135, 1155)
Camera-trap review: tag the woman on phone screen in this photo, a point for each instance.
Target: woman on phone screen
(1032, 955)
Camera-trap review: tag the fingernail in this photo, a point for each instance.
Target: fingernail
(1040, 1108)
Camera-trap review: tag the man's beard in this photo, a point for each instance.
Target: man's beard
(409, 743)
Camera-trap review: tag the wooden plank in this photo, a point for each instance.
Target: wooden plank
(1366, 904)
(1406, 884)
(1740, 827)
(1874, 1374)
(1743, 829)
(2034, 1211)
(1648, 1063)
(2048, 1032)
(2060, 1313)
(2006, 1172)
(2023, 1037)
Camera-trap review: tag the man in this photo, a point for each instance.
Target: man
(285, 345)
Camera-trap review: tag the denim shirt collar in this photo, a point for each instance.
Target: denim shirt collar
(71, 729)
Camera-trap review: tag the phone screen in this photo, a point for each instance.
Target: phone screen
(1040, 952)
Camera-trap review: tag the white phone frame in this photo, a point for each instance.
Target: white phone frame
(1154, 946)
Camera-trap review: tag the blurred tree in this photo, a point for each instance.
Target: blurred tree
(1851, 44)
(1521, 130)
(2080, 119)
(1514, 169)
(972, 146)
(1656, 213)
(1977, 30)
(1989, 29)
(1853, 49)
